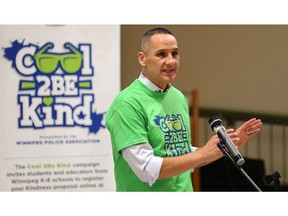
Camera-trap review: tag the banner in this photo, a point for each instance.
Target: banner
(56, 85)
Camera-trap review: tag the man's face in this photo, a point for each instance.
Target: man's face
(160, 59)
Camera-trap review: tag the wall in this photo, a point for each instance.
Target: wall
(238, 67)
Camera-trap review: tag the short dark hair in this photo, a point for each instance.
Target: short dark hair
(147, 35)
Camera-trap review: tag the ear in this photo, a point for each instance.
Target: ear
(141, 58)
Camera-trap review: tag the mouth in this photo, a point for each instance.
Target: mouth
(168, 70)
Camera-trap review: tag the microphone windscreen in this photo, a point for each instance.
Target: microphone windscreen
(212, 120)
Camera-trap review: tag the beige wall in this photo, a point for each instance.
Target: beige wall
(238, 67)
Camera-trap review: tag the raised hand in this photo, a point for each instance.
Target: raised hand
(247, 130)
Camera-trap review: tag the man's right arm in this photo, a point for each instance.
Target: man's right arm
(144, 163)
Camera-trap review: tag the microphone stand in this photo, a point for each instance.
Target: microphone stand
(223, 149)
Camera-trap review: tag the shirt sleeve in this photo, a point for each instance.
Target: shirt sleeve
(194, 148)
(143, 162)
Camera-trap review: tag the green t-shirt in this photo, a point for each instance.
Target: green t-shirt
(140, 115)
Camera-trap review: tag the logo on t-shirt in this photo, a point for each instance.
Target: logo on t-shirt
(175, 134)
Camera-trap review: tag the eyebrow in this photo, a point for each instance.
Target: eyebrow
(161, 50)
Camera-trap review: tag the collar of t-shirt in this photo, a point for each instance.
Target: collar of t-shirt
(151, 85)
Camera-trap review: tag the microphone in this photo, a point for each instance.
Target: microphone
(216, 126)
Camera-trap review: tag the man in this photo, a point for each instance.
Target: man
(149, 124)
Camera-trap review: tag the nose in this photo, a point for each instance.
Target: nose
(170, 59)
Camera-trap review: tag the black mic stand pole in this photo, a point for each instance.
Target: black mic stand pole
(223, 149)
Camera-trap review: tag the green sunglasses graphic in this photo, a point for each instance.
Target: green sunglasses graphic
(49, 62)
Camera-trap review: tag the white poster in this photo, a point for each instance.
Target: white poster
(56, 85)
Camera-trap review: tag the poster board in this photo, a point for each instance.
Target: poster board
(57, 82)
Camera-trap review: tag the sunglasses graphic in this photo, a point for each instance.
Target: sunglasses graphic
(49, 62)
